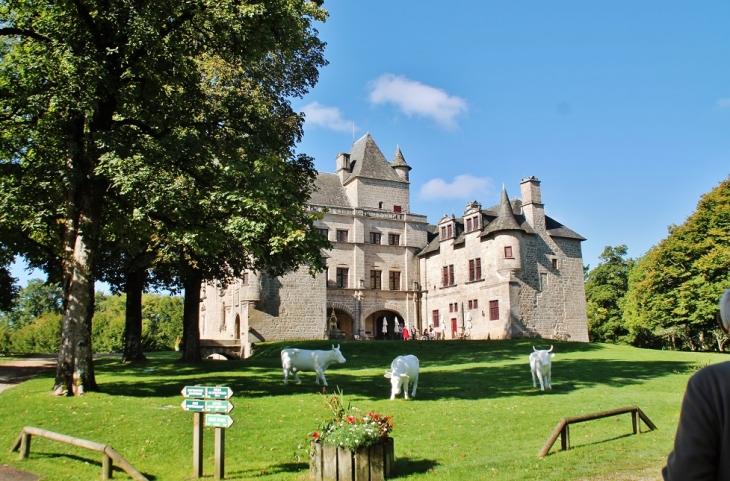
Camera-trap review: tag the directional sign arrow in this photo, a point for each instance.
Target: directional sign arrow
(194, 391)
(218, 392)
(218, 420)
(218, 406)
(194, 405)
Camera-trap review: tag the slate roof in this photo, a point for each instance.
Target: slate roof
(398, 160)
(505, 216)
(367, 161)
(556, 229)
(328, 191)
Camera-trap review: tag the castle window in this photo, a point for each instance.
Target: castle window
(375, 237)
(475, 269)
(543, 281)
(508, 252)
(341, 236)
(470, 305)
(448, 276)
(493, 310)
(449, 231)
(397, 209)
(244, 280)
(476, 223)
(380, 205)
(394, 280)
(342, 273)
(324, 232)
(443, 232)
(435, 318)
(468, 224)
(394, 239)
(555, 263)
(476, 303)
(375, 277)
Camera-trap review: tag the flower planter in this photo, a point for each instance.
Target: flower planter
(330, 463)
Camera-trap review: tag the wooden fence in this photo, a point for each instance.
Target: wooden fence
(110, 455)
(563, 427)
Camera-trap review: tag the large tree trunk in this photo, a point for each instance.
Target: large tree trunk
(134, 284)
(75, 369)
(191, 316)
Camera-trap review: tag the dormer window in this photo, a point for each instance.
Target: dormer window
(468, 224)
(449, 231)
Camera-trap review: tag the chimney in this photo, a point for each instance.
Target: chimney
(532, 206)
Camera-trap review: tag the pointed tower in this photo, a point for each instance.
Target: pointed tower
(507, 235)
(399, 165)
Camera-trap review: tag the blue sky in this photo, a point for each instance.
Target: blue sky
(621, 109)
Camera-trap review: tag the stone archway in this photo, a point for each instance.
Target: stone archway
(340, 323)
(381, 324)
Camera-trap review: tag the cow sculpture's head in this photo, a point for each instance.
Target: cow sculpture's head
(396, 381)
(336, 354)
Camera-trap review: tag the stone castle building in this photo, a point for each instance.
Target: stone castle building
(507, 271)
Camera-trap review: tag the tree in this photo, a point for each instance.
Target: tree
(32, 301)
(96, 97)
(674, 289)
(606, 286)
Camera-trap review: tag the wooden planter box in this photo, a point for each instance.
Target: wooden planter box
(330, 463)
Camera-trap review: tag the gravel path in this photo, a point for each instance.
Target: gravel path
(16, 371)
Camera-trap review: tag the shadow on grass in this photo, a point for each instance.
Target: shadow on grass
(270, 471)
(404, 467)
(116, 470)
(555, 449)
(449, 370)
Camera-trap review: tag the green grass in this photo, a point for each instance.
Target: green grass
(476, 414)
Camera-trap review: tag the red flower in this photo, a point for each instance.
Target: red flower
(315, 435)
(350, 419)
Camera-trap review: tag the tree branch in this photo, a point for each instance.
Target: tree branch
(22, 32)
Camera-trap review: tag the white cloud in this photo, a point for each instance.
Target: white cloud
(724, 103)
(326, 117)
(463, 187)
(415, 98)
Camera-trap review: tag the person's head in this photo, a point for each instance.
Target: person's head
(723, 317)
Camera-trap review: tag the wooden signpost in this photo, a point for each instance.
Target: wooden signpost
(211, 401)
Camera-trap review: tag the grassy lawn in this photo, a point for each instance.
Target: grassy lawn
(476, 414)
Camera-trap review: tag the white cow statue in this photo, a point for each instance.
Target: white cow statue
(403, 369)
(294, 360)
(540, 365)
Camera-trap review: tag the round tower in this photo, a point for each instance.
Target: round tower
(399, 165)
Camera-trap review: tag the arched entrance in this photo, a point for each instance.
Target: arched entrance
(339, 324)
(382, 324)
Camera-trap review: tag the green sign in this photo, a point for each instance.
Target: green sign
(218, 392)
(207, 392)
(197, 392)
(218, 406)
(218, 420)
(194, 405)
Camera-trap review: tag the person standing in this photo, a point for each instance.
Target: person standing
(406, 334)
(398, 331)
(702, 442)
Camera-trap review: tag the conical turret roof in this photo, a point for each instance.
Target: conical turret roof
(399, 161)
(505, 219)
(368, 161)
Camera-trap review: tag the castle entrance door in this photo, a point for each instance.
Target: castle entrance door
(381, 325)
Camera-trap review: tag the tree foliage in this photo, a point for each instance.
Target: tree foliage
(606, 286)
(674, 289)
(166, 127)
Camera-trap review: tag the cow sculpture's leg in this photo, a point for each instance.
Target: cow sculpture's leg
(286, 376)
(405, 386)
(534, 381)
(539, 377)
(415, 385)
(320, 375)
(548, 375)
